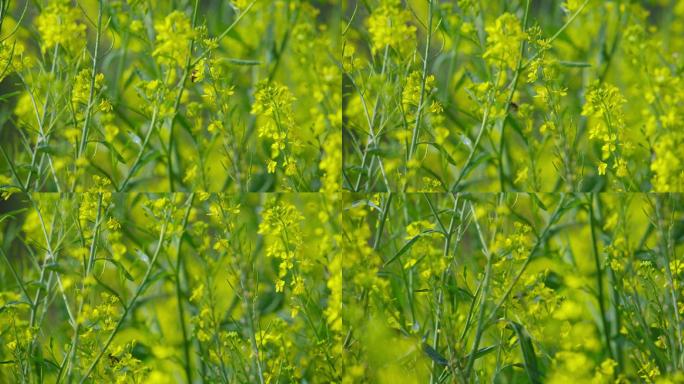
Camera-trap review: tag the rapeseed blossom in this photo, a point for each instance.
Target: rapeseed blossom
(59, 24)
(173, 36)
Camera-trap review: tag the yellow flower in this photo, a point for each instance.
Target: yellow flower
(197, 293)
(521, 175)
(215, 126)
(602, 168)
(272, 166)
(190, 174)
(290, 168)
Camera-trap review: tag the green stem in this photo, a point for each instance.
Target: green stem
(599, 275)
(179, 293)
(419, 113)
(136, 163)
(665, 251)
(483, 300)
(440, 296)
(509, 99)
(540, 240)
(176, 104)
(226, 31)
(70, 357)
(383, 219)
(131, 304)
(89, 107)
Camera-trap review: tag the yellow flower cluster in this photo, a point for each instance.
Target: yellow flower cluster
(667, 164)
(172, 45)
(81, 91)
(503, 41)
(661, 89)
(517, 244)
(106, 314)
(604, 105)
(331, 165)
(95, 200)
(410, 95)
(359, 257)
(389, 26)
(274, 102)
(280, 224)
(11, 58)
(59, 25)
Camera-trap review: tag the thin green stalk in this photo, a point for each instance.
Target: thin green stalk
(558, 33)
(376, 245)
(15, 175)
(469, 159)
(440, 298)
(136, 163)
(485, 292)
(249, 310)
(663, 239)
(50, 257)
(43, 137)
(70, 357)
(91, 95)
(540, 240)
(19, 281)
(599, 276)
(226, 31)
(381, 223)
(370, 119)
(615, 287)
(176, 104)
(131, 304)
(509, 99)
(419, 112)
(179, 292)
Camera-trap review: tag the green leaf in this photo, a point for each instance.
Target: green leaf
(243, 61)
(112, 150)
(9, 215)
(377, 151)
(262, 182)
(269, 302)
(442, 151)
(119, 266)
(407, 246)
(434, 355)
(510, 374)
(527, 349)
(482, 352)
(55, 267)
(574, 64)
(538, 201)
